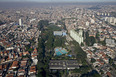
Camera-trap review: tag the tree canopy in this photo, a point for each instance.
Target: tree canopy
(42, 24)
(89, 40)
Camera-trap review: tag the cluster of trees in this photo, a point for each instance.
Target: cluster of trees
(51, 41)
(89, 40)
(42, 24)
(41, 66)
(97, 36)
(80, 54)
(93, 73)
(45, 47)
(98, 39)
(111, 62)
(93, 60)
(59, 41)
(82, 69)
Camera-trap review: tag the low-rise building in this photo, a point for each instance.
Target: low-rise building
(32, 70)
(60, 33)
(15, 64)
(63, 64)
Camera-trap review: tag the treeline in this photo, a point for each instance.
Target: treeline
(93, 73)
(82, 69)
(80, 54)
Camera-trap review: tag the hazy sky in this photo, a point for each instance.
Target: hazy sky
(59, 0)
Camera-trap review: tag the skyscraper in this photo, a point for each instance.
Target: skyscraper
(20, 22)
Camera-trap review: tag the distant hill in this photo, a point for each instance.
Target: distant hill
(39, 4)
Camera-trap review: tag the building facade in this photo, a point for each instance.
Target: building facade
(78, 37)
(63, 64)
(20, 22)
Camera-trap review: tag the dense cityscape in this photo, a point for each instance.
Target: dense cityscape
(58, 40)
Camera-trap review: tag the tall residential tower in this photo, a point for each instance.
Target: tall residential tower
(20, 22)
(78, 37)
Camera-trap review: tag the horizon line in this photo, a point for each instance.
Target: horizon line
(61, 1)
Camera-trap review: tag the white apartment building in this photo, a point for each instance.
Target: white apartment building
(20, 22)
(78, 37)
(111, 20)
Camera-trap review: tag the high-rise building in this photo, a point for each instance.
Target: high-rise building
(108, 14)
(106, 18)
(20, 22)
(111, 20)
(92, 21)
(115, 21)
(87, 23)
(78, 37)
